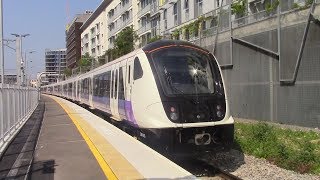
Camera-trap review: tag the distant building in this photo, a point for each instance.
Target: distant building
(73, 39)
(94, 32)
(55, 64)
(9, 79)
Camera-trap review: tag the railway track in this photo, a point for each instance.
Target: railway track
(203, 169)
(226, 175)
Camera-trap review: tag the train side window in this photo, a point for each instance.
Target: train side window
(137, 70)
(90, 86)
(95, 85)
(102, 84)
(121, 85)
(129, 73)
(112, 83)
(116, 85)
(108, 81)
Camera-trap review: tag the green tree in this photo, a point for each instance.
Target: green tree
(67, 72)
(239, 8)
(124, 43)
(85, 62)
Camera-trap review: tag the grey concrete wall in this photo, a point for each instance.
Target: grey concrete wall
(253, 84)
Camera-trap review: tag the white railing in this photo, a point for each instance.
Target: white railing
(120, 10)
(144, 10)
(144, 28)
(154, 7)
(16, 106)
(120, 26)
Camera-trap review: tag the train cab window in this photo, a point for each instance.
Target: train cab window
(137, 70)
(184, 71)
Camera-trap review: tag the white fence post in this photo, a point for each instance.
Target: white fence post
(1, 115)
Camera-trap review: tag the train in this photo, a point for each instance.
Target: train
(169, 94)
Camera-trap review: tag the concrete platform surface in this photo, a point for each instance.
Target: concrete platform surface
(61, 151)
(119, 155)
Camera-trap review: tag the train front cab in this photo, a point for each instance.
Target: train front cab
(187, 111)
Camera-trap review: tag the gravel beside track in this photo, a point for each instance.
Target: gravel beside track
(249, 167)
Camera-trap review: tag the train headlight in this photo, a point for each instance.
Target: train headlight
(174, 115)
(219, 111)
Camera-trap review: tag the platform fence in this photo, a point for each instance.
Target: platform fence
(16, 106)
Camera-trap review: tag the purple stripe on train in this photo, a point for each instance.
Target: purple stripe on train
(129, 113)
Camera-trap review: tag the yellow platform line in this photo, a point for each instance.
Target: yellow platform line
(104, 166)
(112, 160)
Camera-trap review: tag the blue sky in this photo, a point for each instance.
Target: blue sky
(45, 21)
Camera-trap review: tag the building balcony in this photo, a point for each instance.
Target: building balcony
(119, 27)
(144, 29)
(120, 11)
(167, 3)
(154, 8)
(144, 10)
(93, 45)
(93, 35)
(155, 31)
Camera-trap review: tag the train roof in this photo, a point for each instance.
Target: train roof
(167, 43)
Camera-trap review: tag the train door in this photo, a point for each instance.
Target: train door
(114, 93)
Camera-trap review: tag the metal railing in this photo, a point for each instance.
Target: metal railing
(252, 18)
(16, 106)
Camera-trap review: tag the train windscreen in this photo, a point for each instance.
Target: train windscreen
(184, 71)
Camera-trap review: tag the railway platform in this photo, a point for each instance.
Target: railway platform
(62, 140)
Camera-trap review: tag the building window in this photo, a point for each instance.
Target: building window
(186, 4)
(165, 14)
(175, 13)
(175, 8)
(199, 6)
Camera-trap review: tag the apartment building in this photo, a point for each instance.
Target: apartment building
(94, 32)
(73, 39)
(9, 79)
(55, 63)
(152, 18)
(149, 18)
(120, 14)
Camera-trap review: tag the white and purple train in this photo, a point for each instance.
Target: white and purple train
(169, 93)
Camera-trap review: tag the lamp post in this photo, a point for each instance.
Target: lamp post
(1, 45)
(26, 65)
(20, 66)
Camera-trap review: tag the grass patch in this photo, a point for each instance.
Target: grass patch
(289, 149)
